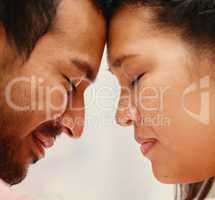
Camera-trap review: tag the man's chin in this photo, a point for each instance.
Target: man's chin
(18, 180)
(13, 175)
(14, 160)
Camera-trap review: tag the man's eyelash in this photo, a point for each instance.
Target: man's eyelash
(73, 86)
(111, 72)
(71, 83)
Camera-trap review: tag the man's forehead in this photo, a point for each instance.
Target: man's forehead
(79, 13)
(80, 22)
(78, 26)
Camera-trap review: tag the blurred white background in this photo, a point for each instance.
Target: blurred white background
(106, 164)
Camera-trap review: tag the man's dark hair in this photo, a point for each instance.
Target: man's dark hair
(197, 20)
(104, 5)
(25, 21)
(196, 17)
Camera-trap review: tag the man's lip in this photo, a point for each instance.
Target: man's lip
(146, 144)
(40, 151)
(46, 141)
(43, 142)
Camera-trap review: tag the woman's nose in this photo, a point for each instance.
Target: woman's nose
(127, 113)
(74, 116)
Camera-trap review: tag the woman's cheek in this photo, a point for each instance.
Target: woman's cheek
(150, 101)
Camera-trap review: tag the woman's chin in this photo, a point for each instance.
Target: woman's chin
(171, 179)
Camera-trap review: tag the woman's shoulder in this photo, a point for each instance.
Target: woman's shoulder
(211, 195)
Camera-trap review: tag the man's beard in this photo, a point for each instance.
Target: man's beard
(13, 159)
(11, 171)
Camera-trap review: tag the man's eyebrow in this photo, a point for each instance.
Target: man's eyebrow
(117, 62)
(85, 67)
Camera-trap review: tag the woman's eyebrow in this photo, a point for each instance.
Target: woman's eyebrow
(118, 61)
(85, 67)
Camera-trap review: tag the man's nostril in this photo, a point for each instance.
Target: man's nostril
(68, 132)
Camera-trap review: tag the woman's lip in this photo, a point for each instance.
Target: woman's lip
(146, 144)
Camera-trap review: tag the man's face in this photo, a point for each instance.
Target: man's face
(44, 96)
(161, 74)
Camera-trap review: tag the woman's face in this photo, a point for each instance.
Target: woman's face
(167, 94)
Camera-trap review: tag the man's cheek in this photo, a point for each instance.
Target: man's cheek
(17, 94)
(27, 104)
(55, 101)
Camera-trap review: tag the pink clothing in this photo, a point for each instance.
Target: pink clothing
(6, 193)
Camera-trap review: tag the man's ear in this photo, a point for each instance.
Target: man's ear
(6, 52)
(2, 45)
(2, 35)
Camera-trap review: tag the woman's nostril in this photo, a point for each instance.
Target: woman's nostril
(124, 121)
(129, 122)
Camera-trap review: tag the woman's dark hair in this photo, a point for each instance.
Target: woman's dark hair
(196, 17)
(197, 20)
(198, 191)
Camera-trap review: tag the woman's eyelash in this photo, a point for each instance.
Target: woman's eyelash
(137, 79)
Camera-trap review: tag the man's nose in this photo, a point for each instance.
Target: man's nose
(74, 116)
(127, 114)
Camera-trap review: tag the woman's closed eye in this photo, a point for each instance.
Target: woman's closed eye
(136, 80)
